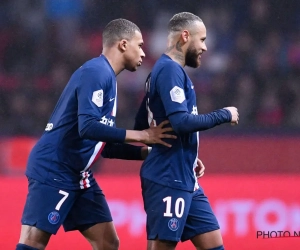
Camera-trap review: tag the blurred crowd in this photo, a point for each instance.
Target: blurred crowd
(252, 62)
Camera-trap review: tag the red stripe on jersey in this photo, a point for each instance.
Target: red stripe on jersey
(84, 180)
(85, 173)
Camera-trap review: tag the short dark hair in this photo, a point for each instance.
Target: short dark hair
(117, 30)
(182, 21)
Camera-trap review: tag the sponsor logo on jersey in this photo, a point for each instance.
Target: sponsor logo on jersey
(107, 121)
(195, 110)
(111, 99)
(49, 126)
(173, 224)
(98, 98)
(53, 217)
(177, 94)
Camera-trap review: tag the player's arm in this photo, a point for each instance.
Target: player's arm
(152, 135)
(90, 128)
(90, 113)
(171, 86)
(125, 151)
(90, 96)
(183, 122)
(141, 118)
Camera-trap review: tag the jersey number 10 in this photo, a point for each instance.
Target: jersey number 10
(179, 207)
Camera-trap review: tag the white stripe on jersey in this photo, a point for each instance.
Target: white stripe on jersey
(114, 111)
(151, 121)
(98, 147)
(195, 164)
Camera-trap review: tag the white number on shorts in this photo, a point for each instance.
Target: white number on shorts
(65, 194)
(179, 207)
(168, 208)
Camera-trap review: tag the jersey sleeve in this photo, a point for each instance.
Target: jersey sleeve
(90, 93)
(183, 122)
(90, 98)
(170, 86)
(122, 151)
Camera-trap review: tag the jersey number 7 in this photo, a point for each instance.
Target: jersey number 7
(65, 194)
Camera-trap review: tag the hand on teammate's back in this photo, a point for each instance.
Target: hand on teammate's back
(234, 115)
(157, 133)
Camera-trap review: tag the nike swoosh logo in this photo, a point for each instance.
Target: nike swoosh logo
(192, 86)
(111, 99)
(177, 181)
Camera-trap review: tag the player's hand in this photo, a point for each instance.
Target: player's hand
(234, 114)
(199, 170)
(155, 134)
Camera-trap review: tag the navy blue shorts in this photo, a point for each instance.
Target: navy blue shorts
(174, 214)
(47, 207)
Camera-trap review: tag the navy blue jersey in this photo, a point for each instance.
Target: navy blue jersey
(169, 90)
(63, 157)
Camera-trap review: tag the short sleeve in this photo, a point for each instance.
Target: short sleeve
(170, 84)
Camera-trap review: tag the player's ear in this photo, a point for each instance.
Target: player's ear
(185, 34)
(123, 45)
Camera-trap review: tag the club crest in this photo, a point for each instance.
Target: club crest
(173, 224)
(53, 217)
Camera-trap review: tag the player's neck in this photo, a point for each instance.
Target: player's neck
(176, 52)
(114, 60)
(177, 57)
